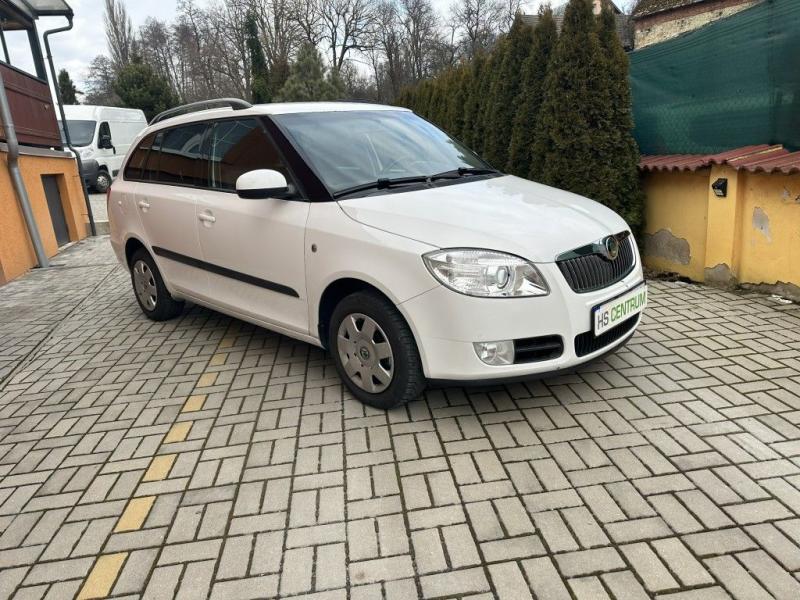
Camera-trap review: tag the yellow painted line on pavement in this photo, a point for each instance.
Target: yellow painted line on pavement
(218, 360)
(102, 576)
(207, 379)
(159, 468)
(194, 403)
(178, 432)
(226, 342)
(134, 515)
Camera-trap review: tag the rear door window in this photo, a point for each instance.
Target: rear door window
(135, 168)
(182, 161)
(150, 171)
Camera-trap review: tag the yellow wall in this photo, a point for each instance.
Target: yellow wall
(16, 250)
(672, 205)
(770, 232)
(751, 236)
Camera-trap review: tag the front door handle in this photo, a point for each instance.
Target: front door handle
(144, 205)
(207, 218)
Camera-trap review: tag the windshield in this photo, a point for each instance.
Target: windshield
(352, 148)
(80, 132)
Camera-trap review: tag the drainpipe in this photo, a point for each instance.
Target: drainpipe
(67, 138)
(16, 177)
(3, 41)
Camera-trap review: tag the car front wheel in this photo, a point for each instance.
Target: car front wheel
(374, 351)
(152, 295)
(103, 182)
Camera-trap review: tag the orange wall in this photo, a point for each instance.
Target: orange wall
(16, 250)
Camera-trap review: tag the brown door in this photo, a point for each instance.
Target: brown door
(53, 195)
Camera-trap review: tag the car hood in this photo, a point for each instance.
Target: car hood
(506, 213)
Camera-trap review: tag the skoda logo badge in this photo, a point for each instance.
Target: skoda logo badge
(611, 246)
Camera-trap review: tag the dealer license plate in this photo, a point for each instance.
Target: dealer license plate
(608, 315)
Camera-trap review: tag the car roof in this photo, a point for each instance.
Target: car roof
(276, 108)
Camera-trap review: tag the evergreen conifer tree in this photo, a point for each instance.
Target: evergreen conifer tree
(66, 88)
(484, 87)
(622, 153)
(259, 72)
(457, 93)
(424, 95)
(571, 131)
(307, 80)
(514, 50)
(437, 101)
(139, 86)
(529, 99)
(472, 100)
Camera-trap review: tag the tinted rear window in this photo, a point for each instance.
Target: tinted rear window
(135, 168)
(182, 160)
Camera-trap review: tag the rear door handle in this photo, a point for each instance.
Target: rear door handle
(144, 205)
(206, 218)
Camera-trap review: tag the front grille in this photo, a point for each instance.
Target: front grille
(587, 270)
(586, 343)
(536, 349)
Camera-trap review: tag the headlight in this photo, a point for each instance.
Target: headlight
(86, 153)
(486, 273)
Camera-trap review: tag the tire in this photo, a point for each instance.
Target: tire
(148, 286)
(102, 182)
(359, 356)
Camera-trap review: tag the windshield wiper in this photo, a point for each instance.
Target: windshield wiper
(381, 184)
(463, 172)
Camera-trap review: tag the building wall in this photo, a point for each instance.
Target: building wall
(676, 222)
(652, 29)
(752, 236)
(770, 230)
(16, 250)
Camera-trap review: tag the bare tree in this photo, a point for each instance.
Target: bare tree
(421, 24)
(478, 22)
(100, 82)
(158, 49)
(347, 25)
(119, 33)
(510, 8)
(386, 51)
(283, 27)
(306, 13)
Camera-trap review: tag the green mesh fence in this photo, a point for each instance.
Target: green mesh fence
(733, 83)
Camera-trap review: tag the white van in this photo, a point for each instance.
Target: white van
(103, 134)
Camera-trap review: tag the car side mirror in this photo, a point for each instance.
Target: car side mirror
(105, 142)
(261, 184)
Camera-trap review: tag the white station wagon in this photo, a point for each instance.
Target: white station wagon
(367, 231)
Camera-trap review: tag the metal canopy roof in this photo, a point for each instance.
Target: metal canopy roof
(49, 8)
(20, 14)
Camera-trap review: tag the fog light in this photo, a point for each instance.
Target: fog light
(495, 353)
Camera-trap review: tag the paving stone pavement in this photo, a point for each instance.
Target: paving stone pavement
(205, 457)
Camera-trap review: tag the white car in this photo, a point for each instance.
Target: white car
(367, 231)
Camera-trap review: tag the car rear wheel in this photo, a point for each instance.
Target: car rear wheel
(374, 351)
(148, 286)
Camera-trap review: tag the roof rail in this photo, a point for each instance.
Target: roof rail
(234, 103)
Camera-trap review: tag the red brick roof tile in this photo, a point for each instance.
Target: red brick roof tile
(759, 158)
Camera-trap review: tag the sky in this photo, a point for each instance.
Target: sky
(74, 50)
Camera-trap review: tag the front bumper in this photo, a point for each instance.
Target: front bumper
(446, 324)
